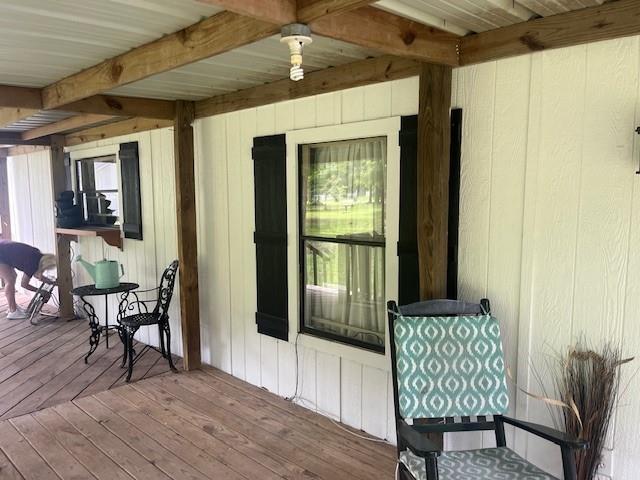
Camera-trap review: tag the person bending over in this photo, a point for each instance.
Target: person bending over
(31, 262)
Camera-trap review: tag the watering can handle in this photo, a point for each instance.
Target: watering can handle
(122, 270)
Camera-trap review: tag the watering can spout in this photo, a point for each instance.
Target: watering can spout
(89, 267)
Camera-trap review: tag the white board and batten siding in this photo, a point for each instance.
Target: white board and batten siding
(143, 261)
(30, 200)
(344, 386)
(550, 217)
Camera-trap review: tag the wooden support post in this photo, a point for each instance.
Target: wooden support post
(433, 178)
(433, 183)
(63, 251)
(187, 234)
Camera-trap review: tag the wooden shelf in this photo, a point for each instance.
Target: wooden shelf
(111, 235)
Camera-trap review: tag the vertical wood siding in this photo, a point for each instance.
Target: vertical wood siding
(143, 261)
(356, 394)
(30, 200)
(549, 216)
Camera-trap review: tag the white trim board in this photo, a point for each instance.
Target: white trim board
(389, 128)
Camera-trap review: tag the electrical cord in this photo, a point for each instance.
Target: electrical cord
(296, 398)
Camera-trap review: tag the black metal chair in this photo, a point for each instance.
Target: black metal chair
(449, 376)
(129, 323)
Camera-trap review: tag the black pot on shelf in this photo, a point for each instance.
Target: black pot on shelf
(68, 214)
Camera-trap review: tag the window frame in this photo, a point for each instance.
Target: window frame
(387, 127)
(302, 254)
(79, 192)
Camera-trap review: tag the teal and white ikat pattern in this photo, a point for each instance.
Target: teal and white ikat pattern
(486, 464)
(450, 367)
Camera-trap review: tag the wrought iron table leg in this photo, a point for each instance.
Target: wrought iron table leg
(106, 319)
(94, 325)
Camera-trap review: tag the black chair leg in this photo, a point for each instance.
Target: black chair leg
(162, 349)
(130, 334)
(123, 336)
(169, 357)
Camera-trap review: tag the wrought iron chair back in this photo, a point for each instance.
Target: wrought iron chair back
(131, 302)
(165, 290)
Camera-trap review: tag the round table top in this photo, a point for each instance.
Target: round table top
(88, 290)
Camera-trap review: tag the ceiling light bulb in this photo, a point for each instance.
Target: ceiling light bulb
(296, 36)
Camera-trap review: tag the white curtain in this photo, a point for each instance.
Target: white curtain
(343, 194)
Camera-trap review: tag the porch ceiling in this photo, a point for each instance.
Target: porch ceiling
(43, 43)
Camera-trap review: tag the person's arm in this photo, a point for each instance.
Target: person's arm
(44, 279)
(25, 283)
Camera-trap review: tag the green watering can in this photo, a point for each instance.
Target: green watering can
(105, 273)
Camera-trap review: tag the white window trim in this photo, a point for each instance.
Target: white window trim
(387, 127)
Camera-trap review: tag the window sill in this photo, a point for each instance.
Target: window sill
(111, 235)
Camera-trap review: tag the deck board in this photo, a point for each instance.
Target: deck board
(42, 365)
(178, 426)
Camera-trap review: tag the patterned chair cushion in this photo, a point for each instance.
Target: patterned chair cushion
(450, 366)
(486, 464)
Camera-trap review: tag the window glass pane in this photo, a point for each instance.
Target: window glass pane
(343, 189)
(105, 174)
(344, 290)
(97, 180)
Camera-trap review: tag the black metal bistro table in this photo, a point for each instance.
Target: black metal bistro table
(94, 324)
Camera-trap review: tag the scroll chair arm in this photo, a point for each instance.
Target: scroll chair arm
(550, 434)
(417, 442)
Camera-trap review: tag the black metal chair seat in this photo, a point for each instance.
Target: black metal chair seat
(141, 320)
(134, 313)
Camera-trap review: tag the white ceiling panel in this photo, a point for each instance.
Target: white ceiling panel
(44, 41)
(38, 120)
(261, 62)
(552, 7)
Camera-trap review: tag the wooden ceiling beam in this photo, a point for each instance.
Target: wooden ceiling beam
(611, 20)
(310, 10)
(15, 138)
(214, 35)
(71, 123)
(9, 115)
(118, 106)
(114, 105)
(25, 149)
(363, 72)
(20, 97)
(372, 28)
(116, 129)
(279, 12)
(283, 12)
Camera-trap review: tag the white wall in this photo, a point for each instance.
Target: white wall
(550, 225)
(143, 261)
(357, 392)
(30, 200)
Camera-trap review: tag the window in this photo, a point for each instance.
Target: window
(342, 240)
(97, 189)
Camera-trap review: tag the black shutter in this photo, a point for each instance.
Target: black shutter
(131, 202)
(270, 237)
(454, 202)
(408, 273)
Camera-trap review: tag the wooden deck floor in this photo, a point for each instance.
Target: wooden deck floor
(195, 425)
(43, 365)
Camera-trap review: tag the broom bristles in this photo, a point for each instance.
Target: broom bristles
(590, 380)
